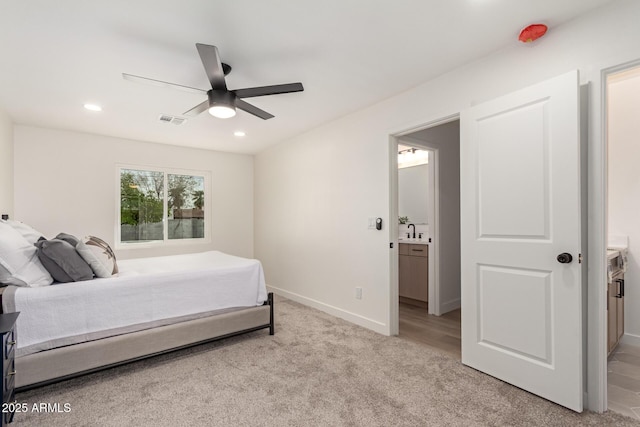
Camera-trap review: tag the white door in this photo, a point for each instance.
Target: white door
(520, 209)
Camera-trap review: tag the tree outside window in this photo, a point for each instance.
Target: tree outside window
(186, 202)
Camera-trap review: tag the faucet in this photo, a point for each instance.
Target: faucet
(414, 229)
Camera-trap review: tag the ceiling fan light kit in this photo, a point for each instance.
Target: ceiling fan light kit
(222, 111)
(222, 102)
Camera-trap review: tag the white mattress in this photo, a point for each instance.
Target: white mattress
(147, 292)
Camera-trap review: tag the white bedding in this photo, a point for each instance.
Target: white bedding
(148, 292)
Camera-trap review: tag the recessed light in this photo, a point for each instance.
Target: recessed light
(239, 133)
(93, 107)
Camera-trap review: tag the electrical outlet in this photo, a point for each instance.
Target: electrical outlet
(358, 293)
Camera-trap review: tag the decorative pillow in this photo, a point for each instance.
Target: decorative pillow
(19, 263)
(26, 231)
(72, 240)
(99, 255)
(62, 261)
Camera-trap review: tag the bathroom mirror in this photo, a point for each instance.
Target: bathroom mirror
(413, 192)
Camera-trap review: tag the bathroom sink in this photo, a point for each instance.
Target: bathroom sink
(413, 241)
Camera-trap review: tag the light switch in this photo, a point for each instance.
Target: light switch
(372, 224)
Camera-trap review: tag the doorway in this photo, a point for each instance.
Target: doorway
(436, 322)
(623, 230)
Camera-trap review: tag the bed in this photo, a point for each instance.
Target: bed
(153, 305)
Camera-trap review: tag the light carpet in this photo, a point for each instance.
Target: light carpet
(316, 370)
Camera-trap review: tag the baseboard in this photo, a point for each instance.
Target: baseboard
(451, 305)
(414, 302)
(630, 339)
(359, 320)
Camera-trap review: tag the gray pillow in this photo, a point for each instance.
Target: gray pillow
(72, 240)
(62, 261)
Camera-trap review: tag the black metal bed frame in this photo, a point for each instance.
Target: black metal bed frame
(270, 325)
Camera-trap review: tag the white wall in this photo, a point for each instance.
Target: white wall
(624, 186)
(67, 182)
(6, 164)
(315, 191)
(413, 187)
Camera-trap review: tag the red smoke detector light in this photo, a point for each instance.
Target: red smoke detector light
(532, 32)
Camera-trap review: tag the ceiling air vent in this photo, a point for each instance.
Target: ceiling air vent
(166, 118)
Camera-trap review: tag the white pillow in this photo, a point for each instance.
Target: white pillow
(97, 253)
(26, 231)
(19, 260)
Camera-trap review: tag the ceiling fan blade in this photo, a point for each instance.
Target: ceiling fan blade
(245, 106)
(212, 65)
(160, 83)
(203, 106)
(268, 90)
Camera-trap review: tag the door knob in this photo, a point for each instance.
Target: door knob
(564, 258)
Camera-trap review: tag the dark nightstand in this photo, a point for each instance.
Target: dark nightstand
(8, 332)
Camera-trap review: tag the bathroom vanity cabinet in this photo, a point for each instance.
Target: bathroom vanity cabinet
(414, 273)
(615, 300)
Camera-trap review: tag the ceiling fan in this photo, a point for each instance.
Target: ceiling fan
(222, 102)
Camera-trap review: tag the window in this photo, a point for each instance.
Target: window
(149, 196)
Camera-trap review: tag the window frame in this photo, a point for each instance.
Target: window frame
(119, 244)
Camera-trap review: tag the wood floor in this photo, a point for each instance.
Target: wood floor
(443, 333)
(623, 375)
(440, 332)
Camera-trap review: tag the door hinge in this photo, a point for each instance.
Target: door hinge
(390, 245)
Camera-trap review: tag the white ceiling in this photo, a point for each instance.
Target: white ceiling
(57, 55)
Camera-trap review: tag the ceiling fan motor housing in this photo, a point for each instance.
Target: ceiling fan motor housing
(221, 98)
